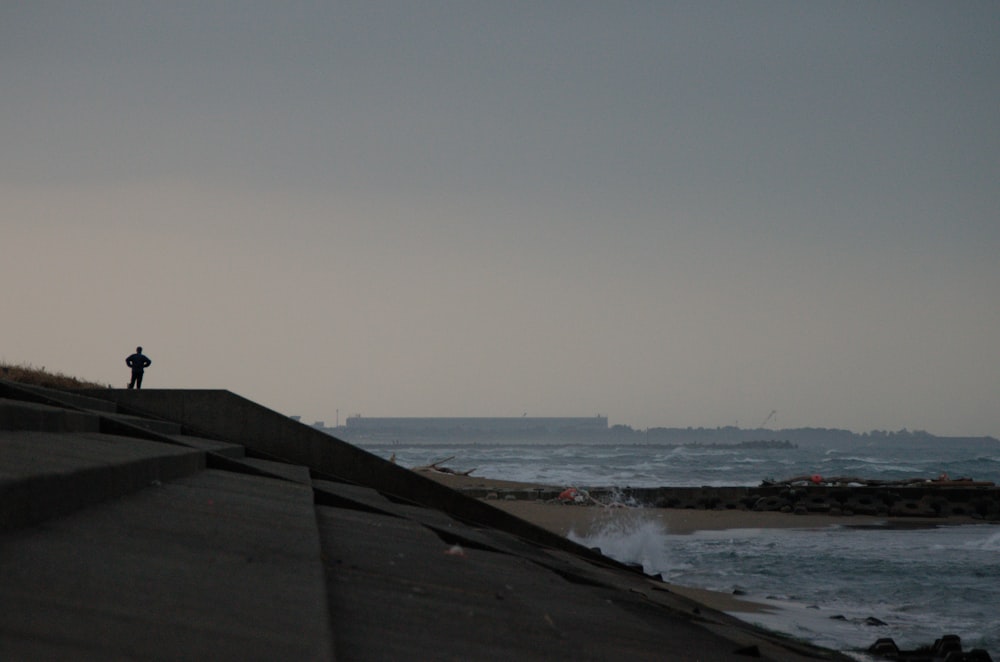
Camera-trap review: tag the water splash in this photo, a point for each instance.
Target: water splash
(631, 540)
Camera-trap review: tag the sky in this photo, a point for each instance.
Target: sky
(671, 214)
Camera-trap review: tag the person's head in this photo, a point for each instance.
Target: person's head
(138, 350)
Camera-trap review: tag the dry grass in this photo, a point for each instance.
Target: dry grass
(29, 374)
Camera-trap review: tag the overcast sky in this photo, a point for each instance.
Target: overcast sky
(667, 213)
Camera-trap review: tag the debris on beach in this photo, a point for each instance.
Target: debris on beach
(436, 466)
(574, 496)
(604, 497)
(571, 495)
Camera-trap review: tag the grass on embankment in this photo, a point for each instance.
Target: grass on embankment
(25, 373)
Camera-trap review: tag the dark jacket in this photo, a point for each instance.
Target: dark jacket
(138, 362)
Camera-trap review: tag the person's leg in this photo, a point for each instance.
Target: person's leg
(138, 381)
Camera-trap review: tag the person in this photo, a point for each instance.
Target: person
(138, 362)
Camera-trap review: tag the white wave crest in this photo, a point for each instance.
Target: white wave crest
(990, 543)
(629, 540)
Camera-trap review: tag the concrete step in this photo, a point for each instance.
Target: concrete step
(20, 415)
(215, 566)
(211, 445)
(152, 424)
(57, 397)
(292, 472)
(46, 475)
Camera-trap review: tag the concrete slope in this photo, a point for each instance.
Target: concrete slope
(406, 582)
(215, 566)
(300, 547)
(45, 475)
(19, 415)
(226, 416)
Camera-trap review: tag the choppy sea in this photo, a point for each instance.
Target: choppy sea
(841, 587)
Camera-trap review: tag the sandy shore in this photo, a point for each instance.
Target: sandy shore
(582, 520)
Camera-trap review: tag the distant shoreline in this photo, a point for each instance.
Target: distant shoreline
(584, 519)
(486, 431)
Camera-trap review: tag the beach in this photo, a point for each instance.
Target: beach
(575, 520)
(832, 576)
(582, 520)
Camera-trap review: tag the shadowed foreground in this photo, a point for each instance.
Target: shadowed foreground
(199, 525)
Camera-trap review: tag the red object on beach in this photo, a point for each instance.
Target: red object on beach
(816, 479)
(569, 494)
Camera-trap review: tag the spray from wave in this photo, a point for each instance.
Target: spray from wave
(635, 541)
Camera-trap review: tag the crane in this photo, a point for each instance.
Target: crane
(769, 417)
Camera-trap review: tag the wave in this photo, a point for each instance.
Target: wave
(878, 465)
(641, 542)
(990, 543)
(874, 461)
(656, 466)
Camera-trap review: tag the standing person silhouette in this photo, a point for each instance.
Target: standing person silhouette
(138, 362)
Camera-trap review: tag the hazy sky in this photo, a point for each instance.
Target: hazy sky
(668, 213)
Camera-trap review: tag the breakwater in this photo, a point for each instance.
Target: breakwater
(909, 501)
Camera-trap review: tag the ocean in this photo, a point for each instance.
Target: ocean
(841, 587)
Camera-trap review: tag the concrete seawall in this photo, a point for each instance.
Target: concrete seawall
(201, 525)
(267, 434)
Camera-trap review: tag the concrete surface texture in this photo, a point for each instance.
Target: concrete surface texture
(177, 525)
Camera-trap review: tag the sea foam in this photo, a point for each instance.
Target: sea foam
(630, 540)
